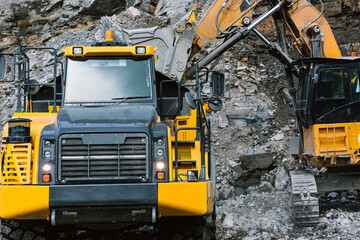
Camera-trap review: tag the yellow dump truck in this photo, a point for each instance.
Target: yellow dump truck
(109, 143)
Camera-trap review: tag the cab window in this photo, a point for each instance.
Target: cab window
(330, 84)
(354, 84)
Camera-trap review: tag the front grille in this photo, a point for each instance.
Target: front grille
(94, 157)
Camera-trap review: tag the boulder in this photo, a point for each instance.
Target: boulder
(257, 161)
(103, 7)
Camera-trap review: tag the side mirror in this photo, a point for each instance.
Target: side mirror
(217, 83)
(190, 100)
(215, 104)
(2, 67)
(169, 98)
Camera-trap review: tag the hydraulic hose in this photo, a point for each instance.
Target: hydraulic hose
(217, 20)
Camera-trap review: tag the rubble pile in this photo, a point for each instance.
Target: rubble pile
(250, 134)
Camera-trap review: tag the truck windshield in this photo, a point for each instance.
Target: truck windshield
(90, 80)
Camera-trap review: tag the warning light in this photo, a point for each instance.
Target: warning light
(160, 175)
(352, 54)
(46, 177)
(109, 36)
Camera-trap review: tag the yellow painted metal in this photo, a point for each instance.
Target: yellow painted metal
(207, 108)
(52, 107)
(2, 156)
(302, 13)
(24, 202)
(187, 152)
(186, 122)
(171, 156)
(185, 198)
(38, 122)
(108, 51)
(230, 16)
(188, 147)
(17, 164)
(333, 140)
(28, 106)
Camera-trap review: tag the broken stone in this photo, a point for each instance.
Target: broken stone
(232, 163)
(253, 181)
(102, 7)
(239, 191)
(265, 186)
(253, 232)
(281, 178)
(352, 192)
(257, 161)
(223, 123)
(279, 136)
(333, 195)
(134, 11)
(225, 194)
(228, 221)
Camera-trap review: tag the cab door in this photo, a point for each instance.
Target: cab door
(330, 93)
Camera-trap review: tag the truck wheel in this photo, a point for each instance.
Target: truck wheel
(187, 228)
(23, 230)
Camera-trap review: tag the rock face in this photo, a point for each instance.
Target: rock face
(251, 132)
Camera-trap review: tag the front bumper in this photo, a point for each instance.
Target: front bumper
(101, 203)
(103, 195)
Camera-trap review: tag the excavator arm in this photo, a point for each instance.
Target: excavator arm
(308, 27)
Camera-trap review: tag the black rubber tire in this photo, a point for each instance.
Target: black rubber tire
(187, 228)
(23, 230)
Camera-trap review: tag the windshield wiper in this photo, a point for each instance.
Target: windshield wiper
(127, 98)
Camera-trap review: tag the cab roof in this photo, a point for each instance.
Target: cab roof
(109, 51)
(326, 60)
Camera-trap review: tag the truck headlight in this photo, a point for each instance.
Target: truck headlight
(77, 50)
(46, 168)
(160, 165)
(140, 50)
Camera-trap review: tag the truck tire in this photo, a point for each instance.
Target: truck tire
(23, 230)
(187, 228)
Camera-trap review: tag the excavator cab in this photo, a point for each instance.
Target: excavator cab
(328, 113)
(328, 90)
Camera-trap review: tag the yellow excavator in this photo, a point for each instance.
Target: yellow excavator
(119, 139)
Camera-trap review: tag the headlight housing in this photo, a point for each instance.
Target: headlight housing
(47, 154)
(48, 149)
(160, 152)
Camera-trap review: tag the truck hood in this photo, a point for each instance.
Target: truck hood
(100, 117)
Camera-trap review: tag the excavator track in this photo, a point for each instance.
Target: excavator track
(305, 203)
